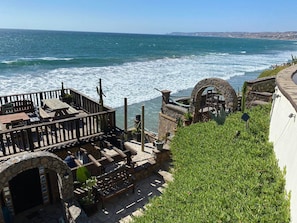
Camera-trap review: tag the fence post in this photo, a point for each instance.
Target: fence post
(142, 128)
(125, 118)
(30, 138)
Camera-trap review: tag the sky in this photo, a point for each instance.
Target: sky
(150, 16)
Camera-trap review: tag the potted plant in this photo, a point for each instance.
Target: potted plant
(137, 129)
(68, 98)
(88, 182)
(188, 118)
(159, 143)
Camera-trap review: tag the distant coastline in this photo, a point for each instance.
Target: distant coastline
(290, 35)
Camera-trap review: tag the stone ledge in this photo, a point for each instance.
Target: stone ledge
(286, 84)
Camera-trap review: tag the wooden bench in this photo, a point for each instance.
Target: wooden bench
(72, 111)
(43, 114)
(23, 106)
(7, 109)
(17, 107)
(114, 183)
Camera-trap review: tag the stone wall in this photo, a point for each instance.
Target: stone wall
(147, 169)
(221, 86)
(260, 89)
(167, 124)
(29, 160)
(171, 112)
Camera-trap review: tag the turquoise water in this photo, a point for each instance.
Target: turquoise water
(130, 65)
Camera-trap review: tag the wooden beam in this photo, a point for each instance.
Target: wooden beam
(128, 147)
(77, 161)
(91, 157)
(120, 152)
(108, 157)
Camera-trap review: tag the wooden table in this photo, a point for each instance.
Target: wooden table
(7, 119)
(15, 117)
(60, 109)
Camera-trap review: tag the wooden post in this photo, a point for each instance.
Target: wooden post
(30, 137)
(125, 118)
(101, 94)
(2, 144)
(142, 128)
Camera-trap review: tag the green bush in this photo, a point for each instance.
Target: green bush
(223, 173)
(272, 72)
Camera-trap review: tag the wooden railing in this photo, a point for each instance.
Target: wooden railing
(78, 99)
(50, 134)
(35, 97)
(56, 133)
(85, 102)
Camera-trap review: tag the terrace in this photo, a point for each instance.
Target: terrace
(29, 128)
(47, 136)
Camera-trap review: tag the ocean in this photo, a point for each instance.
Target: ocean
(132, 66)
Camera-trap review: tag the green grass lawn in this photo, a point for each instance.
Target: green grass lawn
(222, 177)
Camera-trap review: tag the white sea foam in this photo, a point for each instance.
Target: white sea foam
(54, 58)
(27, 59)
(137, 80)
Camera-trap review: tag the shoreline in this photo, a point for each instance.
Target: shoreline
(290, 35)
(153, 106)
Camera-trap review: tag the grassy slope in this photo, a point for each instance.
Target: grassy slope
(272, 72)
(223, 178)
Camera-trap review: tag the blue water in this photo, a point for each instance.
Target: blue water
(130, 65)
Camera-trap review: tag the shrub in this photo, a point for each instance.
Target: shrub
(223, 176)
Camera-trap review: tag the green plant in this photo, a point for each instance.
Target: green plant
(293, 59)
(277, 68)
(136, 131)
(179, 122)
(243, 98)
(188, 116)
(68, 98)
(88, 182)
(88, 185)
(163, 138)
(222, 178)
(219, 117)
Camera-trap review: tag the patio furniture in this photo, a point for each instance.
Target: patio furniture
(7, 109)
(15, 120)
(60, 109)
(114, 183)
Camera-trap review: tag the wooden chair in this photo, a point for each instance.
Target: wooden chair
(18, 123)
(7, 109)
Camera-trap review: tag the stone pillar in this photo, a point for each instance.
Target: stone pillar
(165, 97)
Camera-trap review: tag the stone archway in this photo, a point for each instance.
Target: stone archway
(221, 86)
(22, 162)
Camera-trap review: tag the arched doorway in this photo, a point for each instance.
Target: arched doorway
(30, 170)
(221, 86)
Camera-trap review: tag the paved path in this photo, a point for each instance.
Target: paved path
(122, 208)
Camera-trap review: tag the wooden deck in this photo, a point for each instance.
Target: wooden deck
(84, 123)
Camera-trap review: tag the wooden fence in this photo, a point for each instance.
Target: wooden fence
(78, 99)
(55, 133)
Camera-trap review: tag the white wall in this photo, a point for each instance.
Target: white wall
(283, 134)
